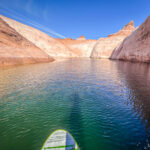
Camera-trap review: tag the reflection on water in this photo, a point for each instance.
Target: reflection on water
(137, 76)
(104, 104)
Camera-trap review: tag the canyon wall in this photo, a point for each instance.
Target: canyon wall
(105, 46)
(22, 44)
(15, 49)
(135, 47)
(81, 46)
(46, 43)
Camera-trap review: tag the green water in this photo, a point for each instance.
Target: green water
(104, 104)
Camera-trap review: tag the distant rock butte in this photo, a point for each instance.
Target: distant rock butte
(136, 47)
(81, 38)
(127, 29)
(80, 46)
(15, 49)
(105, 46)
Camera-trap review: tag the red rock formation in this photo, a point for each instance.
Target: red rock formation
(81, 47)
(15, 49)
(127, 29)
(135, 47)
(81, 38)
(105, 46)
(46, 43)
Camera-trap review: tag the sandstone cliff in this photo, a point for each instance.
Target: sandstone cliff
(15, 49)
(46, 43)
(80, 46)
(105, 46)
(135, 47)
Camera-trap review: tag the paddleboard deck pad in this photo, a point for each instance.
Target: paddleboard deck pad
(60, 140)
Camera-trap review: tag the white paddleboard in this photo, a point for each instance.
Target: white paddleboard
(60, 140)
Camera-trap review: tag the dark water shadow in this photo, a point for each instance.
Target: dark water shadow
(137, 77)
(75, 119)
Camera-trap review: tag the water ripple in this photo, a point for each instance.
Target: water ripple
(104, 104)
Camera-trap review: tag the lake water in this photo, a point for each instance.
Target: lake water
(104, 104)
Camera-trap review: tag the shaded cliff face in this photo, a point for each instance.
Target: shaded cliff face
(105, 46)
(46, 43)
(81, 47)
(15, 49)
(135, 47)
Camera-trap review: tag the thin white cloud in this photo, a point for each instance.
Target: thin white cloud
(13, 14)
(45, 13)
(30, 7)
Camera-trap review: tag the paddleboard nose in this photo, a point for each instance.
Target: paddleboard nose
(60, 140)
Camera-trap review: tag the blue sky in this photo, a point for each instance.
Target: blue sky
(72, 18)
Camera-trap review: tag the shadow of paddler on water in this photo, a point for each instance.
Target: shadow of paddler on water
(75, 119)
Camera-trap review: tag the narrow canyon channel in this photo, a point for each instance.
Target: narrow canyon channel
(104, 104)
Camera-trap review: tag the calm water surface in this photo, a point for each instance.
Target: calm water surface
(104, 104)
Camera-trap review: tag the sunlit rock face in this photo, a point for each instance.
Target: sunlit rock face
(46, 43)
(135, 47)
(16, 49)
(105, 46)
(80, 46)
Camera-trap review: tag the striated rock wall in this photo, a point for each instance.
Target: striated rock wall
(135, 47)
(46, 43)
(105, 46)
(16, 50)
